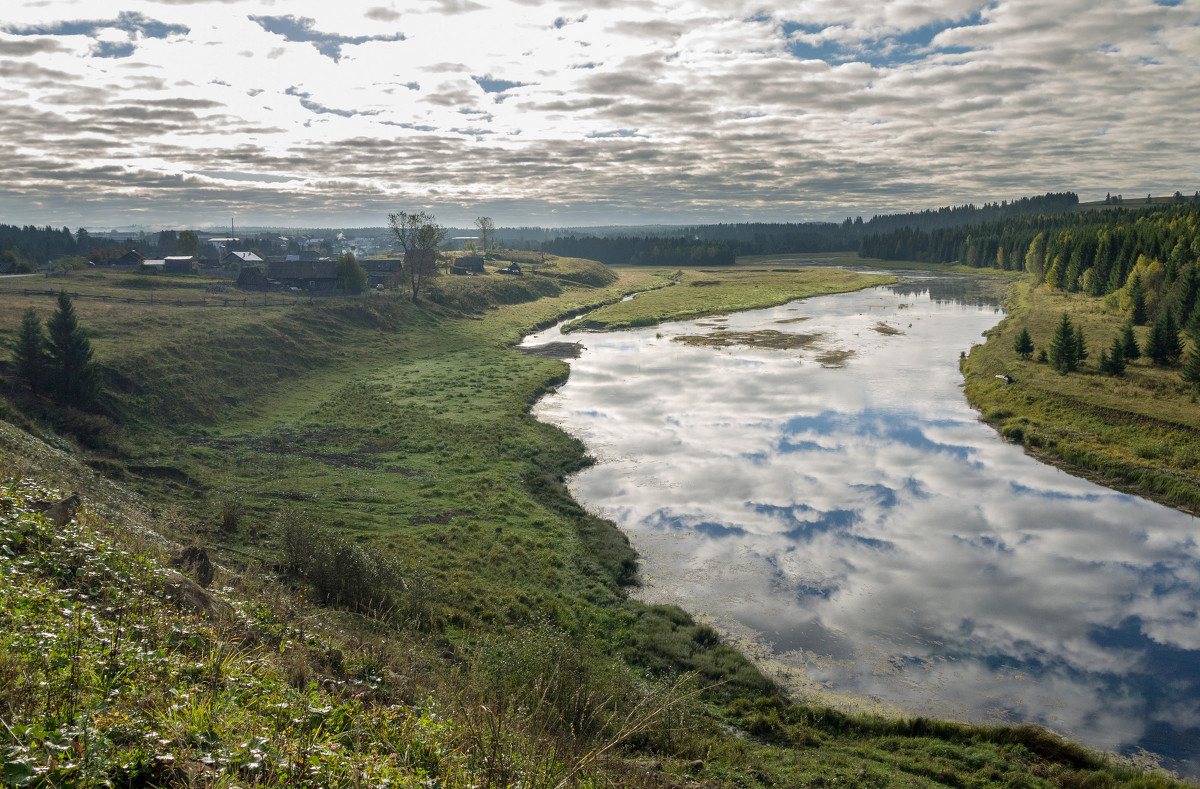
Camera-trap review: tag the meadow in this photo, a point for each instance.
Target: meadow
(417, 598)
(1139, 432)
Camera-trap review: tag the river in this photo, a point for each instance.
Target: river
(836, 508)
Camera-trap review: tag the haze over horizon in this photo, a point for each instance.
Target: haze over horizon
(190, 112)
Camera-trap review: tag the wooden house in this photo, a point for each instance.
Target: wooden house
(304, 274)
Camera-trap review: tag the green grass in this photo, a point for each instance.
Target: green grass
(104, 681)
(852, 260)
(419, 598)
(696, 293)
(1139, 432)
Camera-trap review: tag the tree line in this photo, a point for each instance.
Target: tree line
(633, 251)
(716, 244)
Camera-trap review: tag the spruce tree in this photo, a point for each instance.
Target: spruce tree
(1163, 344)
(29, 350)
(71, 374)
(1129, 343)
(1063, 346)
(1191, 368)
(1192, 324)
(1023, 344)
(1137, 293)
(1112, 361)
(1081, 351)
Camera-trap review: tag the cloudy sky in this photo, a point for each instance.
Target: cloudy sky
(307, 112)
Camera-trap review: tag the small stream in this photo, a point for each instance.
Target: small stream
(833, 505)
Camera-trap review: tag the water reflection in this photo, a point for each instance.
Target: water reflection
(875, 536)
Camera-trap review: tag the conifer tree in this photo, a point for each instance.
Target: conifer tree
(1191, 368)
(1137, 293)
(1063, 346)
(70, 371)
(1163, 344)
(1192, 325)
(1081, 351)
(1023, 344)
(1112, 361)
(1129, 343)
(29, 350)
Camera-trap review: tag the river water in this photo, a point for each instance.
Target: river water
(838, 510)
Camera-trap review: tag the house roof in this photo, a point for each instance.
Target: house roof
(245, 257)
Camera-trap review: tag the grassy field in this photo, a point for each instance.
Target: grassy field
(418, 599)
(696, 293)
(852, 260)
(1140, 432)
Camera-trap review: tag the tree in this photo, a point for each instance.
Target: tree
(1137, 294)
(487, 229)
(351, 276)
(1112, 361)
(1023, 344)
(1191, 368)
(419, 235)
(29, 350)
(1129, 343)
(72, 375)
(1063, 347)
(1163, 345)
(187, 243)
(1081, 351)
(1035, 258)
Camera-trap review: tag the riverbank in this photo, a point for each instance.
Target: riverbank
(699, 293)
(457, 592)
(1139, 433)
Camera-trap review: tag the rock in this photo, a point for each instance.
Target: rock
(186, 593)
(195, 562)
(60, 512)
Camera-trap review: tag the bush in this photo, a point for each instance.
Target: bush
(344, 574)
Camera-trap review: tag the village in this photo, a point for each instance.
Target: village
(307, 265)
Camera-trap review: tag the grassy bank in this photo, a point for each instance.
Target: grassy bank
(696, 293)
(852, 260)
(415, 597)
(1139, 432)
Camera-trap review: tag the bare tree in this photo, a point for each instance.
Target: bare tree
(487, 229)
(420, 236)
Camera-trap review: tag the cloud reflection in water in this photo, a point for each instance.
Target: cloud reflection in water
(866, 524)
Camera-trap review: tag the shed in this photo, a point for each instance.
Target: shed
(180, 264)
(472, 263)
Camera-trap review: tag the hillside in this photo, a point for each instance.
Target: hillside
(413, 597)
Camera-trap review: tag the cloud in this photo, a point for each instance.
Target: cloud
(133, 24)
(381, 14)
(37, 46)
(13, 70)
(321, 109)
(302, 29)
(660, 110)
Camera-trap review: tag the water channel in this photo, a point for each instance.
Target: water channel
(836, 508)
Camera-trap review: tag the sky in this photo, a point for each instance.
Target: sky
(198, 113)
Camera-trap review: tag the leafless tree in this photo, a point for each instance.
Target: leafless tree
(420, 236)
